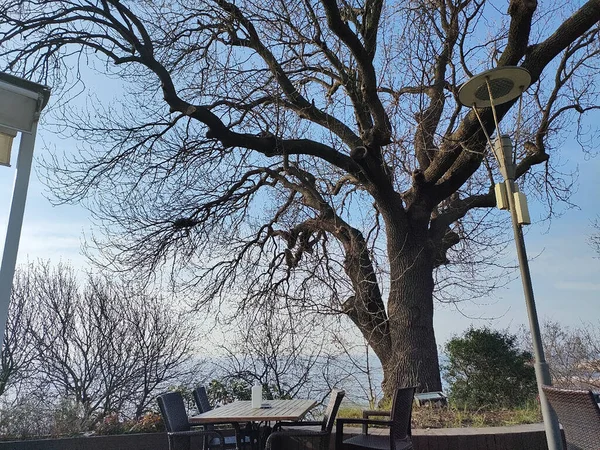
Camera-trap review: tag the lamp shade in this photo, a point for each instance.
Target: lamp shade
(504, 83)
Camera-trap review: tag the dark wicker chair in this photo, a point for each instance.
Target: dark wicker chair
(179, 429)
(579, 415)
(398, 423)
(245, 435)
(295, 435)
(201, 399)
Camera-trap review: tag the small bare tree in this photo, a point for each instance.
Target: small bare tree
(18, 350)
(284, 355)
(102, 344)
(573, 354)
(362, 374)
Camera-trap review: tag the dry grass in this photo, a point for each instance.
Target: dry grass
(450, 417)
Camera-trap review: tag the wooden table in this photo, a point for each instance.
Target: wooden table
(242, 411)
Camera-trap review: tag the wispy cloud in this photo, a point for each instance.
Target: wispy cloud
(52, 239)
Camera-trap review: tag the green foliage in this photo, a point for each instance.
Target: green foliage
(228, 389)
(67, 418)
(352, 412)
(486, 369)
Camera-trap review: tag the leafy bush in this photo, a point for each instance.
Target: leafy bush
(227, 390)
(67, 418)
(486, 369)
(150, 422)
(110, 424)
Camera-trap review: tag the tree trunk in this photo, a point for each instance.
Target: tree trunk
(412, 359)
(402, 334)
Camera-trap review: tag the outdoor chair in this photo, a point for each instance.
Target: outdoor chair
(201, 399)
(179, 429)
(245, 435)
(295, 435)
(579, 415)
(398, 424)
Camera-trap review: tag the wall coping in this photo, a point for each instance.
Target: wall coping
(512, 429)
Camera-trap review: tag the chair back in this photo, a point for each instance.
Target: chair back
(335, 399)
(201, 399)
(579, 415)
(173, 411)
(400, 414)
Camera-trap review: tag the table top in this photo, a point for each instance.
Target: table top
(242, 411)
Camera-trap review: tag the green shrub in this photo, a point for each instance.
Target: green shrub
(67, 418)
(487, 370)
(227, 390)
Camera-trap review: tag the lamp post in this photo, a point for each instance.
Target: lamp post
(21, 102)
(489, 89)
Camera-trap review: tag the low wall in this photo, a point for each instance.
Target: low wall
(526, 437)
(519, 437)
(146, 441)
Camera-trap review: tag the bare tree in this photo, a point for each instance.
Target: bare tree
(284, 355)
(18, 350)
(108, 347)
(361, 374)
(309, 150)
(573, 354)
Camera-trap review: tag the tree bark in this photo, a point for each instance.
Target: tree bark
(412, 359)
(407, 349)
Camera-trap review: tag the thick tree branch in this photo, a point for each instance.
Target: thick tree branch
(381, 132)
(568, 32)
(299, 103)
(521, 13)
(365, 307)
(428, 120)
(458, 208)
(372, 16)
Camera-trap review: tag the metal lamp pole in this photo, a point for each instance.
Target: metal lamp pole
(21, 102)
(503, 152)
(491, 88)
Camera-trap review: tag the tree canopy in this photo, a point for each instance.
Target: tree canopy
(307, 154)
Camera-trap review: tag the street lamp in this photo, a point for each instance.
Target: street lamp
(489, 89)
(21, 102)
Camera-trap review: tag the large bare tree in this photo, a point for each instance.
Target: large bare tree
(305, 152)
